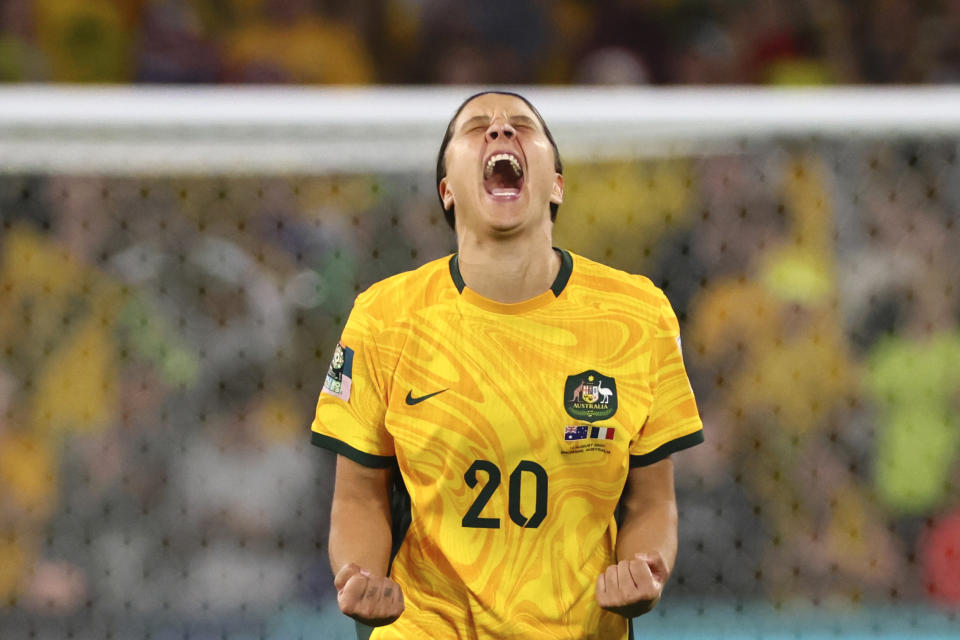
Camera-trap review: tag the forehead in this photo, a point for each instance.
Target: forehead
(493, 104)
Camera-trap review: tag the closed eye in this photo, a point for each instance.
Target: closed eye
(476, 123)
(523, 122)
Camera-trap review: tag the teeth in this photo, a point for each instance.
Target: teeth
(494, 159)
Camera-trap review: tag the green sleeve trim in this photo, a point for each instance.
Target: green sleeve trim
(662, 452)
(342, 448)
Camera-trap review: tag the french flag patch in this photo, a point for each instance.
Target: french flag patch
(601, 433)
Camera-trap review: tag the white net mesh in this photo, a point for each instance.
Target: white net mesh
(166, 322)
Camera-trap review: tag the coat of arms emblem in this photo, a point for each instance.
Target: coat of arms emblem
(590, 396)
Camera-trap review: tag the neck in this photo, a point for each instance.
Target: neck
(510, 269)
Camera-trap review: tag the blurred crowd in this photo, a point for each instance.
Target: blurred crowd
(164, 340)
(496, 41)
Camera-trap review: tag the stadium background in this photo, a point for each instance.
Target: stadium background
(164, 334)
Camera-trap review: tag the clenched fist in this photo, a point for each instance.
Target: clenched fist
(366, 598)
(632, 587)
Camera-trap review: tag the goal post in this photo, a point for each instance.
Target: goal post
(282, 130)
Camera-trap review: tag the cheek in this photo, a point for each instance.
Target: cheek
(460, 165)
(541, 154)
(542, 170)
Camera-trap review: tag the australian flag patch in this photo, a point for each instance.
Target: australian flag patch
(576, 432)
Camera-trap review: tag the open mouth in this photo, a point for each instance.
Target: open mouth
(503, 176)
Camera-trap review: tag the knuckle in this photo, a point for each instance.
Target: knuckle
(347, 606)
(353, 592)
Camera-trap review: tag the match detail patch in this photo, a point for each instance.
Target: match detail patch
(339, 380)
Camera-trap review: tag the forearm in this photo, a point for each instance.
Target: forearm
(360, 531)
(649, 514)
(646, 543)
(360, 540)
(359, 534)
(649, 527)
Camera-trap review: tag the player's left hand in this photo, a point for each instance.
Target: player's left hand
(632, 587)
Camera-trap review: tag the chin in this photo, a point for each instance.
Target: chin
(504, 226)
(505, 213)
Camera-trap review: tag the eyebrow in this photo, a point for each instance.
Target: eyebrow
(527, 120)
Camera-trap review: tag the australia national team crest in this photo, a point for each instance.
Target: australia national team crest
(339, 377)
(590, 396)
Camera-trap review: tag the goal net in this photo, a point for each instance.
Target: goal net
(176, 266)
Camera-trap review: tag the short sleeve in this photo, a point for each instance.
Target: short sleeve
(673, 422)
(350, 410)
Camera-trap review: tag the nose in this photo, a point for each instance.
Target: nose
(499, 128)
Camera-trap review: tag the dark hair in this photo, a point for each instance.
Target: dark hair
(442, 164)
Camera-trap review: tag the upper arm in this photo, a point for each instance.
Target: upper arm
(648, 486)
(361, 484)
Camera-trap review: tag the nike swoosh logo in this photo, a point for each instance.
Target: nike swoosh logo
(412, 401)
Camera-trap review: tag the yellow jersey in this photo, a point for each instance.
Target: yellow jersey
(513, 427)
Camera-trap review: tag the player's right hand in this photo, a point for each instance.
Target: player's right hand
(369, 599)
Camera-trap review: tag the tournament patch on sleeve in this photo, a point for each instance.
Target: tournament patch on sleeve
(339, 378)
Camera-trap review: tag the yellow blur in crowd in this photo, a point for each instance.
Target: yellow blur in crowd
(308, 50)
(98, 41)
(86, 40)
(57, 316)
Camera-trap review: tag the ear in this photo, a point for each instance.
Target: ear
(556, 194)
(446, 194)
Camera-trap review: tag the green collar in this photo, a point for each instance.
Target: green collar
(559, 283)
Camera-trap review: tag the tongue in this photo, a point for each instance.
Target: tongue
(503, 181)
